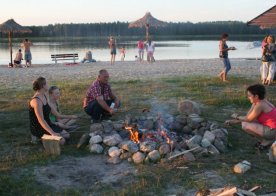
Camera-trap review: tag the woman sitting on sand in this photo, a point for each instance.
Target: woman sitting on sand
(39, 111)
(65, 123)
(223, 54)
(260, 120)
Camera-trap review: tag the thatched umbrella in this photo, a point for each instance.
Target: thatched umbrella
(10, 27)
(147, 21)
(265, 20)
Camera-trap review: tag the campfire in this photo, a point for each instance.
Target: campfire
(149, 138)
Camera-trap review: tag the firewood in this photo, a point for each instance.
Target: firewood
(184, 152)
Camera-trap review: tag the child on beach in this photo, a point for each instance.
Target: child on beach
(18, 59)
(123, 53)
(65, 123)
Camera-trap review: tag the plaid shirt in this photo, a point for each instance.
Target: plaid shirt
(95, 90)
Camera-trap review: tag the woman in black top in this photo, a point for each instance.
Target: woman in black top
(39, 110)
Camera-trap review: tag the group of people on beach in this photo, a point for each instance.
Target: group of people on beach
(26, 45)
(141, 45)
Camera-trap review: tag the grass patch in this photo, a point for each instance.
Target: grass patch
(219, 100)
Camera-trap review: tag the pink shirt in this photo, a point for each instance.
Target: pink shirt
(268, 119)
(141, 45)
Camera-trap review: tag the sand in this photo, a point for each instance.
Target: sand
(128, 70)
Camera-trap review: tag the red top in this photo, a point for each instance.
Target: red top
(141, 45)
(269, 118)
(95, 90)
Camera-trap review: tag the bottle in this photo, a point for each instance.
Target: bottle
(112, 105)
(242, 167)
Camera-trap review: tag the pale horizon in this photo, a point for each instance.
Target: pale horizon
(28, 13)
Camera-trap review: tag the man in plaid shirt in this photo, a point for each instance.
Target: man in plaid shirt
(99, 98)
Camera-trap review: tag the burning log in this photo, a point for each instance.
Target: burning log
(186, 151)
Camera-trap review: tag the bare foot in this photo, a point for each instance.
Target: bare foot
(226, 81)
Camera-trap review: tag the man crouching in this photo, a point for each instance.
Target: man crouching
(99, 98)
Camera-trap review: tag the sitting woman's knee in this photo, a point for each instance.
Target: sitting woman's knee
(244, 126)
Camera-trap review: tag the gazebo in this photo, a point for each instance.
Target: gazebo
(265, 20)
(147, 21)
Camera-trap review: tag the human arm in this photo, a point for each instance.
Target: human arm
(60, 116)
(37, 105)
(104, 105)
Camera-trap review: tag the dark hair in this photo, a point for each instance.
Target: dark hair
(39, 83)
(26, 40)
(224, 35)
(102, 71)
(52, 88)
(257, 89)
(19, 50)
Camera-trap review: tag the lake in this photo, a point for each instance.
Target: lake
(180, 49)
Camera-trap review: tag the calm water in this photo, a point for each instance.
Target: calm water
(41, 51)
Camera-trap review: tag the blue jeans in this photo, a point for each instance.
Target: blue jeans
(95, 110)
(227, 65)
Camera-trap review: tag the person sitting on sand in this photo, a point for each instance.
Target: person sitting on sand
(65, 123)
(18, 58)
(39, 113)
(260, 120)
(88, 57)
(99, 98)
(223, 54)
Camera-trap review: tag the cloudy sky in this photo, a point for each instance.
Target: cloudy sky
(37, 12)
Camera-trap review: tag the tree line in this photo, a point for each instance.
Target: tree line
(121, 29)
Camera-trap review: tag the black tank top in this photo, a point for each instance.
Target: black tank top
(35, 127)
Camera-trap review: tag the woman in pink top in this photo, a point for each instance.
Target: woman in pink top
(260, 120)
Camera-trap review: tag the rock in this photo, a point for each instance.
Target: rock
(205, 143)
(164, 149)
(194, 141)
(95, 139)
(220, 135)
(164, 160)
(182, 119)
(125, 155)
(114, 151)
(219, 145)
(188, 157)
(154, 156)
(214, 126)
(96, 148)
(147, 146)
(84, 140)
(208, 135)
(138, 157)
(200, 131)
(112, 140)
(108, 126)
(118, 126)
(213, 150)
(129, 146)
(129, 160)
(177, 126)
(224, 131)
(183, 144)
(187, 129)
(114, 160)
(188, 107)
(148, 124)
(96, 127)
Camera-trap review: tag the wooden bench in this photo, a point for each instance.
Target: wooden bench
(62, 57)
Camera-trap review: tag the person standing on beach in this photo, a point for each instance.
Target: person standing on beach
(268, 60)
(223, 54)
(123, 53)
(112, 46)
(27, 52)
(264, 66)
(150, 47)
(140, 46)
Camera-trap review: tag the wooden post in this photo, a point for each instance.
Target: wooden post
(147, 31)
(10, 46)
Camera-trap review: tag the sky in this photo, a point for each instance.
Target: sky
(37, 12)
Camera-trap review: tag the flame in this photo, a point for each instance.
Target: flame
(134, 134)
(165, 135)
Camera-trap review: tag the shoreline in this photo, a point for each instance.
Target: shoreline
(127, 70)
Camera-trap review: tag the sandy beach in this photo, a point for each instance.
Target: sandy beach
(128, 70)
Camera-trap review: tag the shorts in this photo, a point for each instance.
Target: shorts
(28, 56)
(269, 133)
(113, 51)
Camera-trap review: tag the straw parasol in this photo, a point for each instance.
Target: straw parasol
(266, 19)
(10, 27)
(147, 21)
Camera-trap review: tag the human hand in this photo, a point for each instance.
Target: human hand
(111, 111)
(117, 103)
(233, 48)
(55, 134)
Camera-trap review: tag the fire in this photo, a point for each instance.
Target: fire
(165, 135)
(134, 134)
